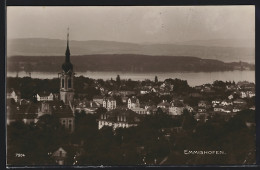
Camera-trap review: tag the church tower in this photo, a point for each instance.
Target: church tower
(66, 78)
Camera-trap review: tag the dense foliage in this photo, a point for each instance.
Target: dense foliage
(144, 144)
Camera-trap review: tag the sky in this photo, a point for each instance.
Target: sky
(142, 24)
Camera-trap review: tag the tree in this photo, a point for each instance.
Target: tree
(189, 123)
(118, 79)
(156, 79)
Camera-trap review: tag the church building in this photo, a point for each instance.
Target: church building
(62, 108)
(66, 78)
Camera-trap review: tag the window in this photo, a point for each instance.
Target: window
(62, 82)
(69, 83)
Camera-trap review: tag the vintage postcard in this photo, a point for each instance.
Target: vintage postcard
(130, 85)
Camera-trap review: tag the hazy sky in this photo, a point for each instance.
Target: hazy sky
(157, 24)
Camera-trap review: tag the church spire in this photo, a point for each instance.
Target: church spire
(68, 48)
(66, 66)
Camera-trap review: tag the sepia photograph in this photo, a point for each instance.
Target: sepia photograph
(130, 85)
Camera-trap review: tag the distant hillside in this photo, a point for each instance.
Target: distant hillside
(223, 50)
(123, 62)
(248, 43)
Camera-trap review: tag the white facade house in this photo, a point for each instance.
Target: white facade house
(139, 110)
(44, 97)
(133, 102)
(109, 103)
(119, 118)
(226, 103)
(13, 95)
(173, 110)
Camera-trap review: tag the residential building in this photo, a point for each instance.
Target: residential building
(164, 104)
(226, 103)
(133, 102)
(230, 97)
(151, 109)
(139, 110)
(109, 103)
(89, 107)
(45, 96)
(98, 99)
(60, 156)
(176, 108)
(239, 102)
(12, 94)
(119, 118)
(203, 104)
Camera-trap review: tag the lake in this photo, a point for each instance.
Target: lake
(193, 78)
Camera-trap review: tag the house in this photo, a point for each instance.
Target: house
(26, 112)
(119, 118)
(67, 154)
(139, 110)
(198, 87)
(236, 109)
(226, 103)
(245, 85)
(215, 102)
(60, 156)
(58, 109)
(98, 99)
(24, 102)
(133, 102)
(202, 110)
(176, 108)
(164, 92)
(12, 94)
(227, 109)
(124, 99)
(201, 117)
(218, 108)
(89, 107)
(203, 104)
(154, 90)
(223, 108)
(243, 94)
(148, 104)
(230, 97)
(207, 88)
(195, 95)
(123, 93)
(189, 108)
(109, 103)
(231, 87)
(145, 90)
(29, 118)
(44, 96)
(164, 104)
(151, 109)
(66, 117)
(239, 102)
(252, 108)
(250, 94)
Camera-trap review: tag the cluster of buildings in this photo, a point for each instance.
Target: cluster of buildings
(204, 109)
